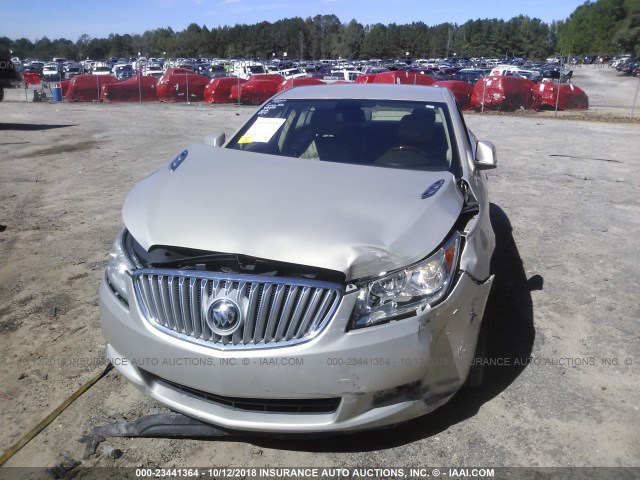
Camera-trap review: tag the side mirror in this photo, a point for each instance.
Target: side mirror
(216, 139)
(486, 157)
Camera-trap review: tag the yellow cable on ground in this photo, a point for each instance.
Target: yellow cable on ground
(52, 416)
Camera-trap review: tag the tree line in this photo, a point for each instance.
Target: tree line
(605, 26)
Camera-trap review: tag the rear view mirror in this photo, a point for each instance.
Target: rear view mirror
(215, 139)
(486, 157)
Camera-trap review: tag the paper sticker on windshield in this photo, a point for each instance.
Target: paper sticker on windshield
(262, 130)
(278, 102)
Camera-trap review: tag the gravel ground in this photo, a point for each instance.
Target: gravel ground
(565, 300)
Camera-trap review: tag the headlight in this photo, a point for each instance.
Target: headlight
(119, 266)
(401, 293)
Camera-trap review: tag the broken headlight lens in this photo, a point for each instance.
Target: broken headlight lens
(118, 266)
(402, 293)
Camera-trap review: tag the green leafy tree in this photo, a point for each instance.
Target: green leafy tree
(352, 40)
(375, 42)
(593, 27)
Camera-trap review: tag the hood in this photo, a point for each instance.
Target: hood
(358, 220)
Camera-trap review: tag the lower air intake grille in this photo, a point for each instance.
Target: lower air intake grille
(266, 405)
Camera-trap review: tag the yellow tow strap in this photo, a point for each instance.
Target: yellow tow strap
(52, 416)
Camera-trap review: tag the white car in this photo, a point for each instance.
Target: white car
(244, 69)
(101, 69)
(153, 70)
(343, 74)
(52, 72)
(325, 270)
(288, 73)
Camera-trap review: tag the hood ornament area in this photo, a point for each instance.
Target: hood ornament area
(224, 316)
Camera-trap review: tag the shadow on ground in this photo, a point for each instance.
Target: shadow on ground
(510, 309)
(29, 127)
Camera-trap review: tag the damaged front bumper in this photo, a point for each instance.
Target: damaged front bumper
(342, 380)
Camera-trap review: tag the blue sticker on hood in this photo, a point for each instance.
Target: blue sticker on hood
(175, 163)
(432, 190)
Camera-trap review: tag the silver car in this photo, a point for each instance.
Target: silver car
(324, 270)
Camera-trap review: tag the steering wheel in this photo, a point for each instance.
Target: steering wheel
(403, 156)
(409, 148)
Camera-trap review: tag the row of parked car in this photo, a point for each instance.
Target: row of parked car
(627, 65)
(466, 69)
(58, 70)
(493, 92)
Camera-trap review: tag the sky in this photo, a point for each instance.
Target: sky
(70, 19)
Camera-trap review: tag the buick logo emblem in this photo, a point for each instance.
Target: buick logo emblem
(223, 316)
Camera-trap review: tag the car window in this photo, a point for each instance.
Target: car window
(384, 133)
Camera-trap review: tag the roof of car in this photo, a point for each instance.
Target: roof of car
(367, 91)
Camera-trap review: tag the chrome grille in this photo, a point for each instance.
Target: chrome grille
(275, 311)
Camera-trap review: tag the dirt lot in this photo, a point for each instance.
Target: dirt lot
(567, 217)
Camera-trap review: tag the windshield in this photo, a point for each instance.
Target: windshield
(385, 133)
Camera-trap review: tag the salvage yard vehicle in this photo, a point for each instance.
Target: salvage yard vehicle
(288, 73)
(245, 68)
(53, 71)
(324, 270)
(343, 74)
(122, 72)
(101, 69)
(71, 69)
(153, 70)
(216, 70)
